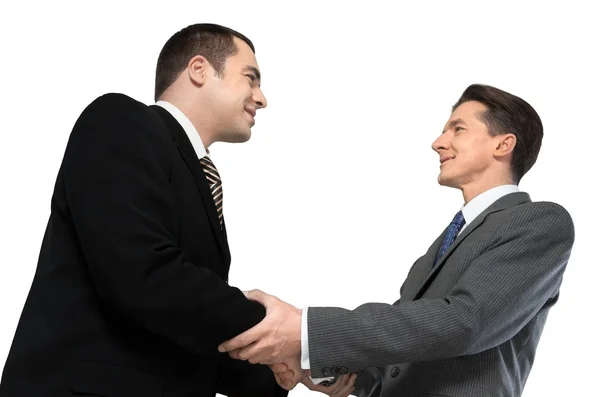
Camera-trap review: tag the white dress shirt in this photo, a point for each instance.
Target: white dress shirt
(470, 211)
(188, 127)
(479, 203)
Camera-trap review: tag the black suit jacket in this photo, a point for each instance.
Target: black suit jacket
(130, 296)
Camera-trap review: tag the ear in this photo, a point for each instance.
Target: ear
(198, 69)
(505, 145)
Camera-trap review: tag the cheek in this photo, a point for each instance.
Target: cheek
(476, 157)
(240, 92)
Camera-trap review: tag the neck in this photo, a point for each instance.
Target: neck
(199, 119)
(473, 190)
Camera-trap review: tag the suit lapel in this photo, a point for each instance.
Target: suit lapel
(507, 201)
(191, 159)
(421, 268)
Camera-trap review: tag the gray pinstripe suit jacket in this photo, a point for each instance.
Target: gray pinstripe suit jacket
(468, 326)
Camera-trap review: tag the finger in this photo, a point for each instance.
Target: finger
(235, 354)
(284, 384)
(290, 374)
(338, 385)
(352, 378)
(242, 353)
(278, 380)
(289, 384)
(348, 393)
(279, 368)
(347, 383)
(295, 375)
(257, 295)
(243, 339)
(347, 387)
(256, 353)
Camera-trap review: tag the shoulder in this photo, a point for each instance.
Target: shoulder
(118, 114)
(544, 209)
(116, 121)
(540, 217)
(116, 100)
(114, 104)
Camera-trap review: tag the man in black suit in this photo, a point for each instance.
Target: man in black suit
(130, 297)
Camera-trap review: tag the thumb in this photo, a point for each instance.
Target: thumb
(308, 383)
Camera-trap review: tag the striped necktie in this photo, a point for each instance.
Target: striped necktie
(451, 233)
(214, 181)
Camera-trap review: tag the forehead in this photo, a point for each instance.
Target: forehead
(468, 111)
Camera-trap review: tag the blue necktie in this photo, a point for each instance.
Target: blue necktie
(451, 234)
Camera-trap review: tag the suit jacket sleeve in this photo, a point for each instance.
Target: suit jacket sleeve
(116, 177)
(243, 379)
(496, 296)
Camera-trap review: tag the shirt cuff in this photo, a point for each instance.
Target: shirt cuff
(304, 359)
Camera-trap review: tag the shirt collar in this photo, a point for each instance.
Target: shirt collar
(187, 126)
(479, 203)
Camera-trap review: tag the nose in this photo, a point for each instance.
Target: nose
(259, 98)
(441, 143)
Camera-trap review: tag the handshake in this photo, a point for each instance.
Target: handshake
(277, 342)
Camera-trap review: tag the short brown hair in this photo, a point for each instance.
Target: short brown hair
(507, 113)
(213, 42)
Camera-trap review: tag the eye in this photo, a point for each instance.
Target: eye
(251, 77)
(458, 129)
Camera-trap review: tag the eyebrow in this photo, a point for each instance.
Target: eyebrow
(253, 70)
(454, 123)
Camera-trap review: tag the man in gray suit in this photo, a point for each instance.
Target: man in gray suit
(472, 309)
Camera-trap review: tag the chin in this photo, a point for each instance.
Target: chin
(245, 136)
(446, 181)
(238, 136)
(241, 137)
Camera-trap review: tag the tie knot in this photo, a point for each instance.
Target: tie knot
(450, 235)
(210, 170)
(459, 219)
(207, 162)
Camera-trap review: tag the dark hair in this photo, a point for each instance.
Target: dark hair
(213, 42)
(507, 113)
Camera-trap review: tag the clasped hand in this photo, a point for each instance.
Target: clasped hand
(276, 341)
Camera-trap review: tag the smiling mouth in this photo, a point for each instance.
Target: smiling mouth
(252, 120)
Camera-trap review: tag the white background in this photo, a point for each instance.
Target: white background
(335, 196)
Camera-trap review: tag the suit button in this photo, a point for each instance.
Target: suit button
(395, 372)
(336, 370)
(343, 370)
(326, 371)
